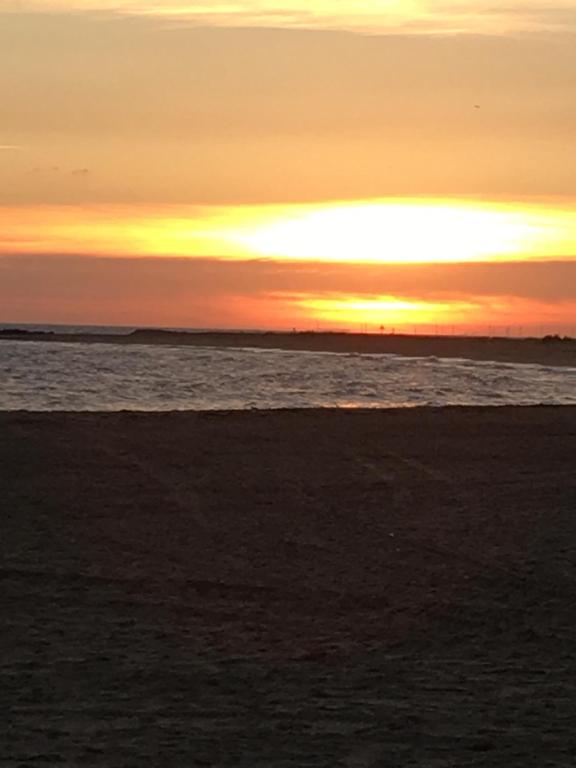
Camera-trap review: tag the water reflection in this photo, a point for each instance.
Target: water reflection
(56, 376)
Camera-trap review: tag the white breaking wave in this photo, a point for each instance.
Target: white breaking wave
(52, 376)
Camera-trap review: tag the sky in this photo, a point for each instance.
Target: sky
(396, 164)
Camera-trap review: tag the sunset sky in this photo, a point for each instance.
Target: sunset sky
(281, 163)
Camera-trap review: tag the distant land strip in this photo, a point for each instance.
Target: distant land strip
(550, 350)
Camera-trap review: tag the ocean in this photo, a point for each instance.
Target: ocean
(51, 376)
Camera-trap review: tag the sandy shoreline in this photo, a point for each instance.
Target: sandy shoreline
(557, 352)
(307, 588)
(289, 588)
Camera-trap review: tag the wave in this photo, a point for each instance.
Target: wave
(58, 376)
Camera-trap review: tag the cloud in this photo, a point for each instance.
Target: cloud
(255, 294)
(44, 169)
(49, 170)
(176, 278)
(371, 17)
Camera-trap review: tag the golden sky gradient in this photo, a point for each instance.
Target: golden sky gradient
(368, 17)
(317, 137)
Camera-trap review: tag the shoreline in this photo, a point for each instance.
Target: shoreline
(553, 351)
(313, 411)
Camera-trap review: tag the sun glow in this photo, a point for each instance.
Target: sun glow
(486, 314)
(385, 311)
(378, 231)
(400, 232)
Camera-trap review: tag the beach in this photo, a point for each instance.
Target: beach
(289, 588)
(551, 350)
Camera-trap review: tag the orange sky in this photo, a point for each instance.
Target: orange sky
(283, 164)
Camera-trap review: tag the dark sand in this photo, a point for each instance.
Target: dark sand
(275, 589)
(550, 351)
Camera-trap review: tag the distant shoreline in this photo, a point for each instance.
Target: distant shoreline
(551, 350)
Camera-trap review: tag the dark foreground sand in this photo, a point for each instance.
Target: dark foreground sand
(289, 589)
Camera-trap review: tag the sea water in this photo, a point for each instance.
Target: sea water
(46, 376)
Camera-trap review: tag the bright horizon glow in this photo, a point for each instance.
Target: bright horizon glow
(388, 311)
(407, 232)
(393, 313)
(377, 231)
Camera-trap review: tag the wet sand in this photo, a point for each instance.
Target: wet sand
(272, 589)
(552, 351)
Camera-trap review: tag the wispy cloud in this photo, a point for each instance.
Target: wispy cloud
(372, 16)
(10, 148)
